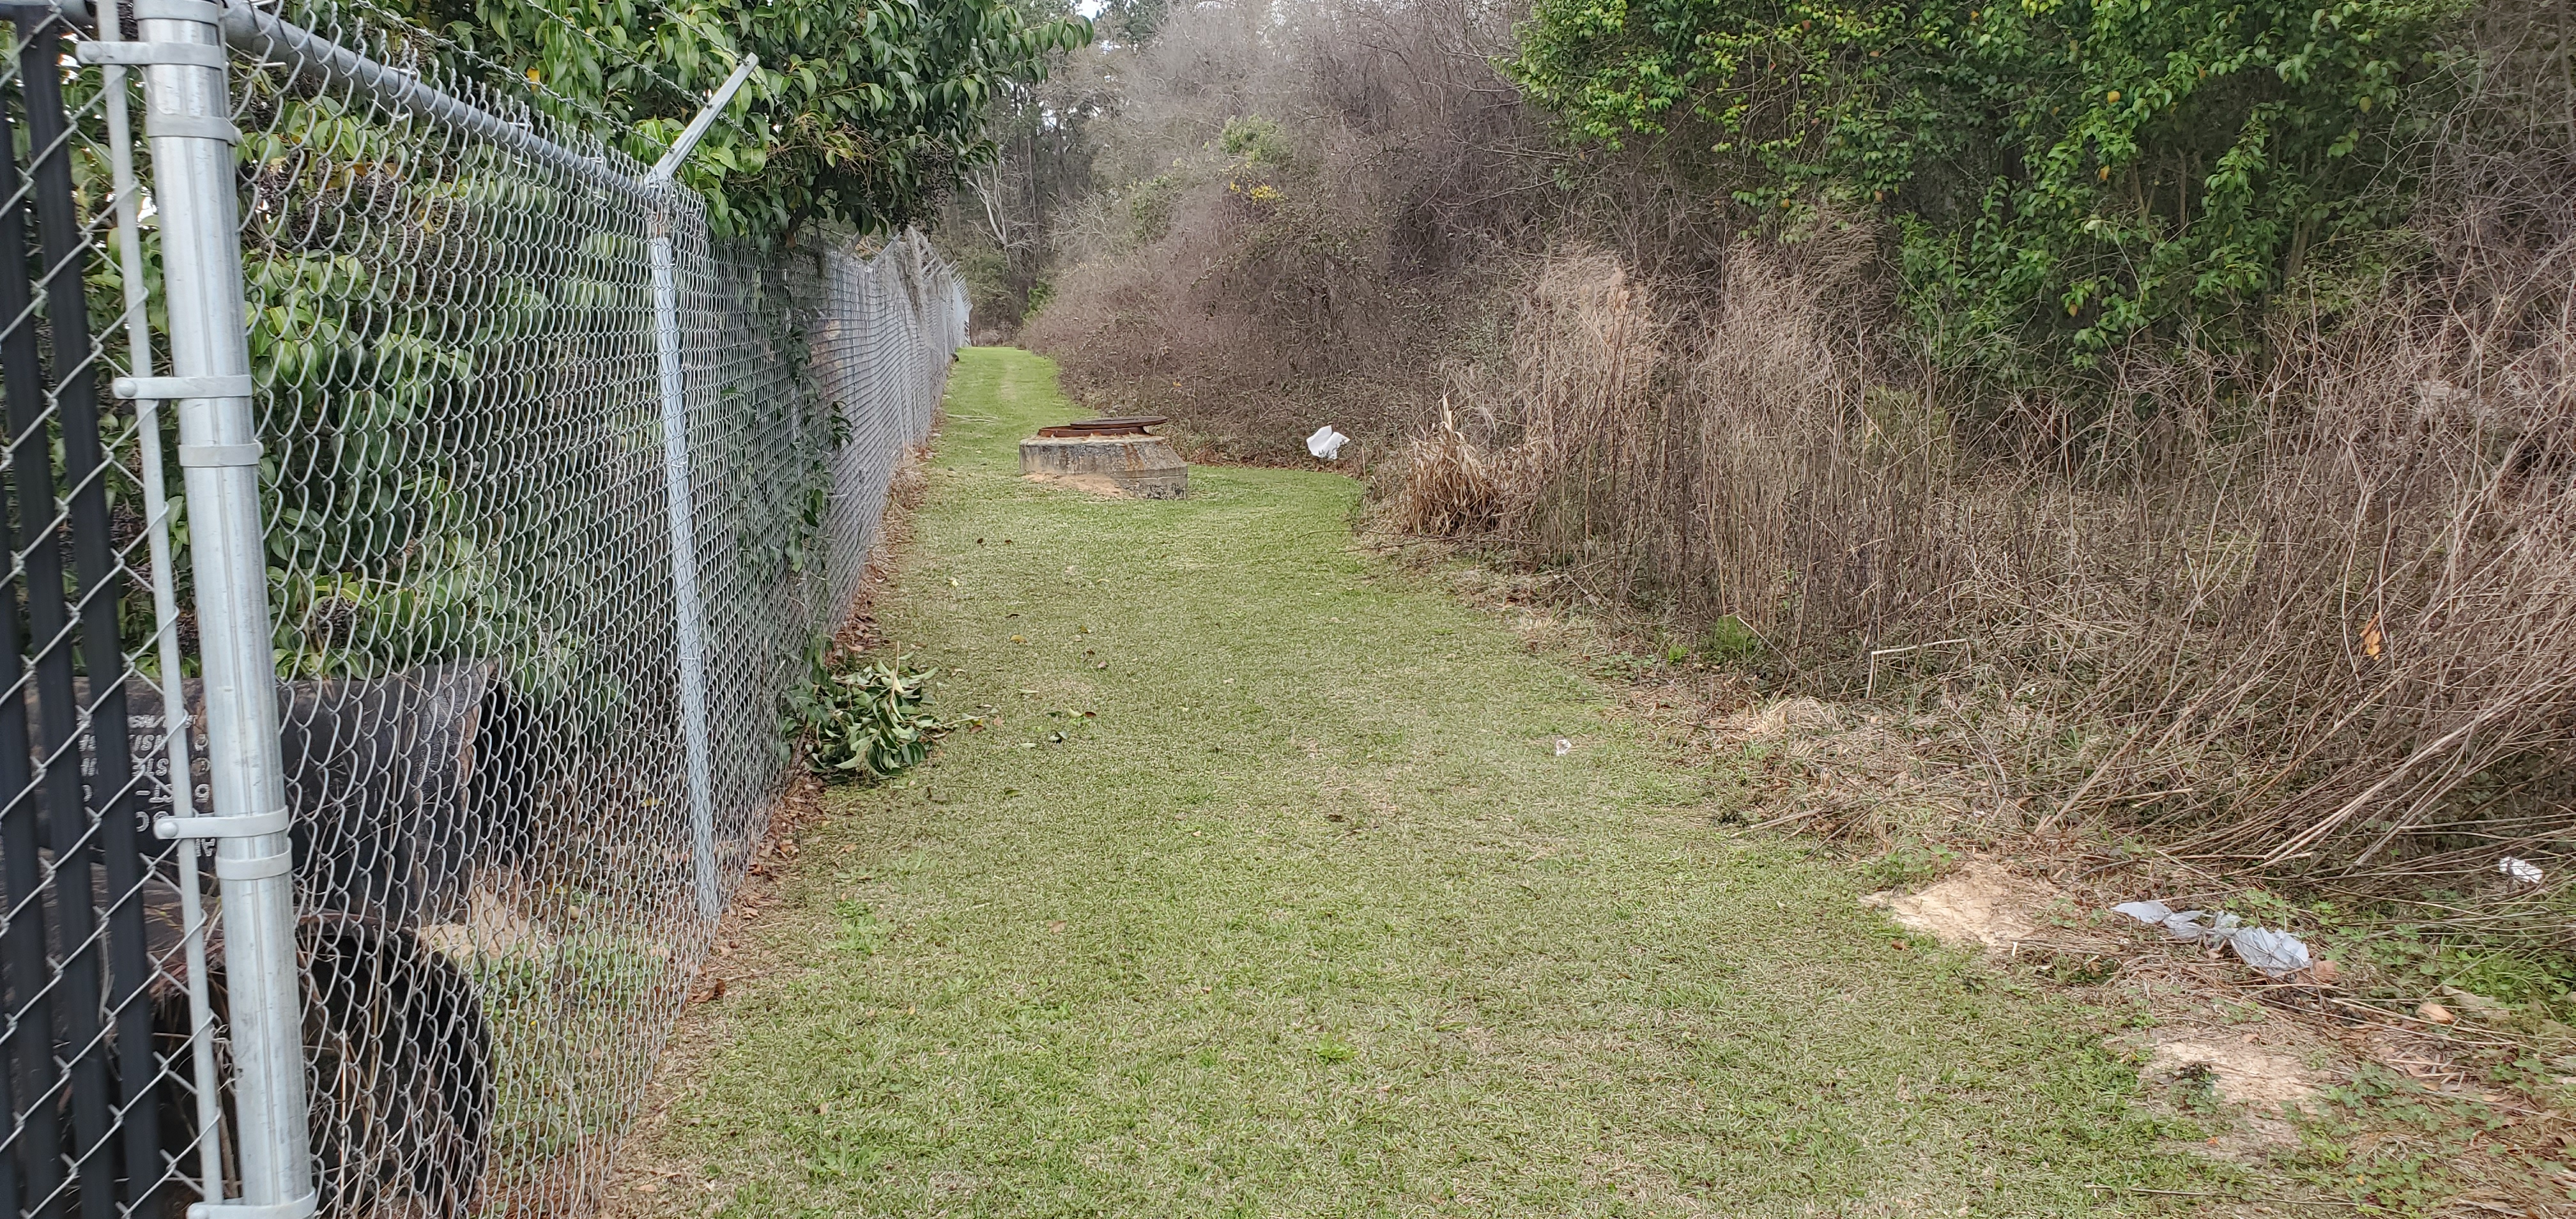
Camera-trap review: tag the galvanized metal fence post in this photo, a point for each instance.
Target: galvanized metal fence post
(187, 119)
(690, 631)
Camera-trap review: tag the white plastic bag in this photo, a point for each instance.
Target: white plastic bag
(1327, 443)
(2277, 953)
(2180, 924)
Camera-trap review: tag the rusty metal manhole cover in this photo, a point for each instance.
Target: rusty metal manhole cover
(1132, 425)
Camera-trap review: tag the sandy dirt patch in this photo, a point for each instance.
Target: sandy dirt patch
(2264, 1078)
(1088, 484)
(1982, 903)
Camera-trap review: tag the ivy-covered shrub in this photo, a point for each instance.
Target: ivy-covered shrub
(863, 111)
(2064, 176)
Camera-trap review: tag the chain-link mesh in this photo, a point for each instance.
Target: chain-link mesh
(866, 354)
(452, 332)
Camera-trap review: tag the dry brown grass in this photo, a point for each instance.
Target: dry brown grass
(1248, 320)
(1446, 485)
(2313, 627)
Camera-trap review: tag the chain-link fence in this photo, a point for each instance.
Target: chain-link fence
(514, 509)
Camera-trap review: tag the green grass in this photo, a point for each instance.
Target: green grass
(1309, 918)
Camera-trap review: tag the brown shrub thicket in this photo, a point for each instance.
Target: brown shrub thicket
(2322, 627)
(1321, 197)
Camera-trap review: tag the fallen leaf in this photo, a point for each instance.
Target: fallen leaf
(2433, 1013)
(1057, 925)
(2324, 971)
(2371, 637)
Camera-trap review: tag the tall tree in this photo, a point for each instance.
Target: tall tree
(1003, 227)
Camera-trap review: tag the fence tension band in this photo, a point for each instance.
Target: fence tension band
(249, 826)
(148, 54)
(201, 456)
(259, 867)
(203, 12)
(164, 389)
(157, 125)
(300, 1208)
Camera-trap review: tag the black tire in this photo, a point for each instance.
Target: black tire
(399, 1074)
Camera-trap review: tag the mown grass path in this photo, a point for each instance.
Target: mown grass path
(1304, 915)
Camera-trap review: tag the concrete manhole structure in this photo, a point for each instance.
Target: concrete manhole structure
(1108, 456)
